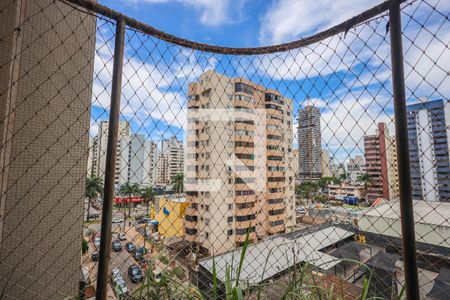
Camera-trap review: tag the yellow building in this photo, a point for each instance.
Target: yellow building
(170, 217)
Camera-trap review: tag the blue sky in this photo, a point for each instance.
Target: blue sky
(348, 78)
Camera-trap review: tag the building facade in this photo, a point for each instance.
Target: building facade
(100, 146)
(326, 164)
(429, 133)
(355, 167)
(44, 126)
(170, 160)
(309, 143)
(239, 178)
(381, 164)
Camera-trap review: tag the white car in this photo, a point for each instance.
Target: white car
(300, 210)
(97, 241)
(122, 236)
(117, 220)
(121, 286)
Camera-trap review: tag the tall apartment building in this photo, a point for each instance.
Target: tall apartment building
(44, 130)
(429, 142)
(355, 167)
(153, 162)
(239, 179)
(326, 164)
(99, 153)
(170, 160)
(381, 164)
(136, 155)
(309, 143)
(294, 163)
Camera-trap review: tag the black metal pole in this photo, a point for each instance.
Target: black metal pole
(110, 169)
(404, 173)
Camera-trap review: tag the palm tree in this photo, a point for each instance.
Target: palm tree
(177, 183)
(129, 190)
(94, 189)
(366, 180)
(148, 194)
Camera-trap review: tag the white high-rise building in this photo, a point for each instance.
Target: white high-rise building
(355, 167)
(136, 156)
(429, 147)
(99, 153)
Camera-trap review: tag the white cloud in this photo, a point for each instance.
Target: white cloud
(290, 19)
(151, 92)
(212, 12)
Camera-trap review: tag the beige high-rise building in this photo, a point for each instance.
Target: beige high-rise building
(170, 160)
(294, 163)
(326, 164)
(45, 98)
(238, 175)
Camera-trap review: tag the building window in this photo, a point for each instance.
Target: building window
(230, 232)
(230, 219)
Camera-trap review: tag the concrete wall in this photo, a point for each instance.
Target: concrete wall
(45, 94)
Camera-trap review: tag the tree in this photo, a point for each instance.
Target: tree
(307, 189)
(84, 247)
(129, 190)
(94, 189)
(148, 194)
(177, 183)
(366, 180)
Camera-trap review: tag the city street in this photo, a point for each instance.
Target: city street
(122, 260)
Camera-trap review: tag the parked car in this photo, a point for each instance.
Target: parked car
(115, 273)
(135, 274)
(116, 246)
(300, 210)
(138, 254)
(94, 215)
(117, 220)
(94, 256)
(118, 283)
(122, 236)
(130, 247)
(121, 287)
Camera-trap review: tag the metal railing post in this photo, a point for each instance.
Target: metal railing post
(110, 168)
(401, 135)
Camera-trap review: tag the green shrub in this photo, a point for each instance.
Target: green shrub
(84, 246)
(179, 272)
(164, 259)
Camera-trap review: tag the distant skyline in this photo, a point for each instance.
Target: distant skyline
(351, 98)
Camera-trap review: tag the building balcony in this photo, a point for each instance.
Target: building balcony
(246, 150)
(273, 218)
(244, 103)
(281, 205)
(243, 138)
(274, 112)
(244, 126)
(241, 237)
(276, 229)
(244, 211)
(275, 173)
(245, 198)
